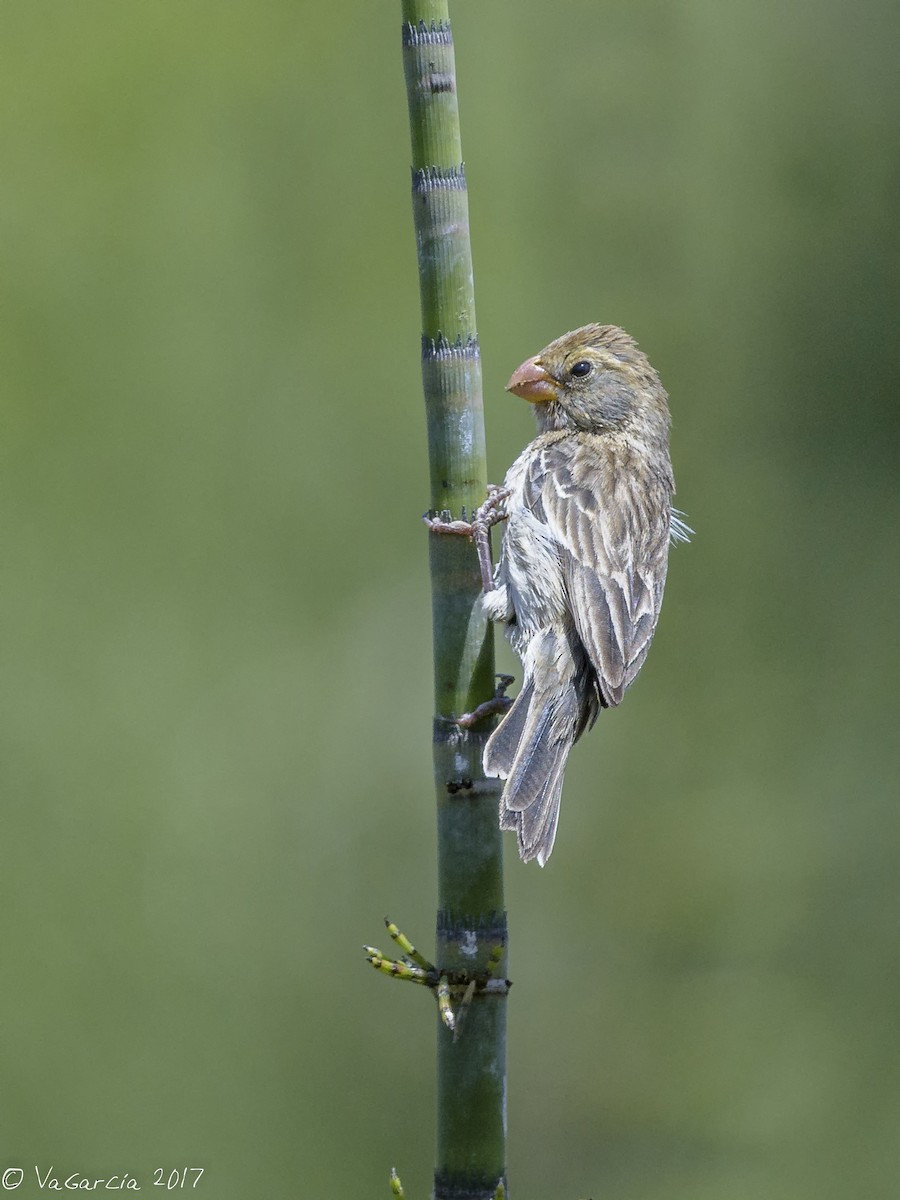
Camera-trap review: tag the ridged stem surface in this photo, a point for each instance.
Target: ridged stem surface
(471, 922)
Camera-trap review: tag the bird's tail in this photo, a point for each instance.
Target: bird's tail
(529, 750)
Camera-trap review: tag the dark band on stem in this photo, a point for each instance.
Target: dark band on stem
(447, 732)
(490, 926)
(440, 349)
(429, 179)
(449, 1185)
(464, 787)
(436, 34)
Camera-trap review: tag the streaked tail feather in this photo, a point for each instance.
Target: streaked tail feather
(530, 749)
(536, 825)
(500, 751)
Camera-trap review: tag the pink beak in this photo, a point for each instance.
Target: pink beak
(531, 382)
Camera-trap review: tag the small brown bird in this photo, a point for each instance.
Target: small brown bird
(581, 573)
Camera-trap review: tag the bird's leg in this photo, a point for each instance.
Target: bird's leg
(498, 704)
(488, 513)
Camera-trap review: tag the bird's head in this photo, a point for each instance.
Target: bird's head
(595, 379)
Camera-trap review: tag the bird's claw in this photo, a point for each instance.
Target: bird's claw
(443, 523)
(499, 704)
(490, 512)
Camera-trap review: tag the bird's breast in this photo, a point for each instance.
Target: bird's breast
(530, 565)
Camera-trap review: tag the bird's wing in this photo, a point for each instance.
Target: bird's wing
(612, 527)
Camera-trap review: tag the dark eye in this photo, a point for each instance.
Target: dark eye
(581, 368)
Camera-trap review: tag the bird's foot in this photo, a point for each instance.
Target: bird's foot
(489, 513)
(498, 705)
(442, 522)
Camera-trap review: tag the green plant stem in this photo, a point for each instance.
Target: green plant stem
(471, 924)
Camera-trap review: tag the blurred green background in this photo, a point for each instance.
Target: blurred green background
(216, 646)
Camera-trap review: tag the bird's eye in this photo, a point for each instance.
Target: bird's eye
(581, 368)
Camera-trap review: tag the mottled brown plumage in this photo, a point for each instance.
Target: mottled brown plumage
(581, 574)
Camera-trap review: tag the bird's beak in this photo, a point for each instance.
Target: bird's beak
(531, 382)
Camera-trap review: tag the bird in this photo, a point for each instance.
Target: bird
(580, 577)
